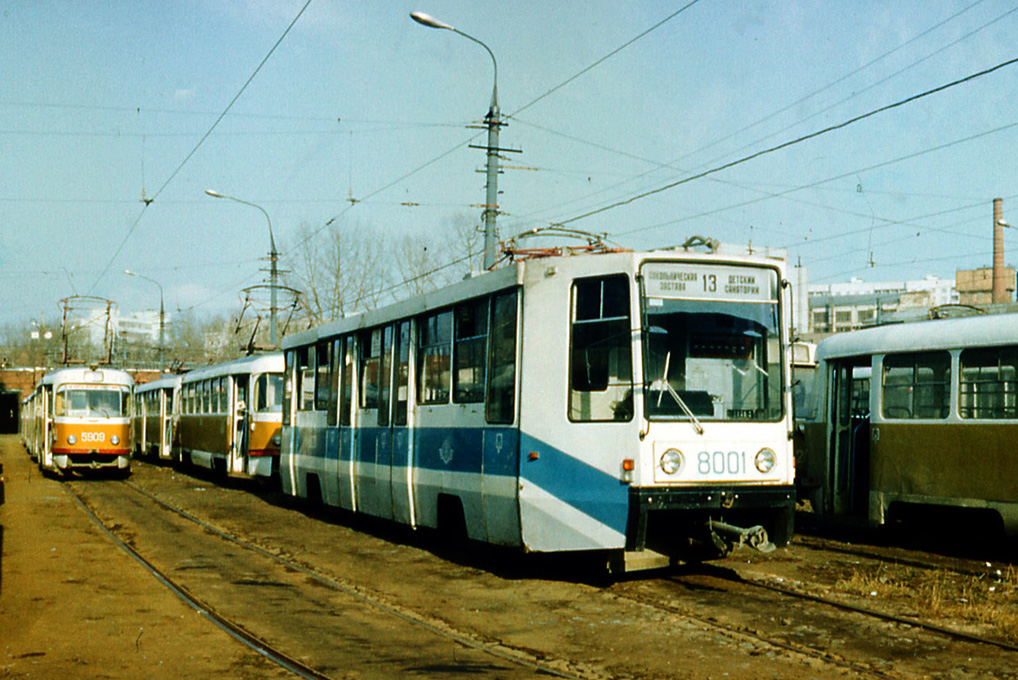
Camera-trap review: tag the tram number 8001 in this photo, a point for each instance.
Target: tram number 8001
(721, 463)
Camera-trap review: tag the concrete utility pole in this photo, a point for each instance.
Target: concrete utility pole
(492, 122)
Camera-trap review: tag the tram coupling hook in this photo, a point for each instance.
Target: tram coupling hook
(755, 537)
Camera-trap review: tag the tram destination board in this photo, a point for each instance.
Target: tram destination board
(709, 282)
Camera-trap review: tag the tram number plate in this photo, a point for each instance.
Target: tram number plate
(721, 462)
(93, 436)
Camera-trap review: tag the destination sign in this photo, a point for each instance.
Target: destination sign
(687, 281)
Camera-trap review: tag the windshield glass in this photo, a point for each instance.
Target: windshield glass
(712, 343)
(91, 403)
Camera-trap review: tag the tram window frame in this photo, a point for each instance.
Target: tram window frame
(434, 358)
(984, 391)
(346, 383)
(500, 399)
(916, 385)
(336, 364)
(401, 373)
(305, 392)
(385, 377)
(470, 351)
(369, 370)
(289, 359)
(600, 311)
(323, 375)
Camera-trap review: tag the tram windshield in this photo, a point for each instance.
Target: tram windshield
(269, 393)
(711, 342)
(91, 403)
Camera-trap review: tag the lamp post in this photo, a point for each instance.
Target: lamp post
(493, 123)
(162, 313)
(273, 259)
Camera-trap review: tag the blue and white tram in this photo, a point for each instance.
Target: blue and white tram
(638, 403)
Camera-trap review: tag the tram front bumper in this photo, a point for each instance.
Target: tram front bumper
(661, 517)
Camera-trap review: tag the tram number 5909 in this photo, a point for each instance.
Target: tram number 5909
(721, 463)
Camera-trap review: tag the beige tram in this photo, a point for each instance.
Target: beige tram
(79, 419)
(915, 416)
(229, 416)
(155, 404)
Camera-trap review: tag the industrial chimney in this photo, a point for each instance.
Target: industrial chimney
(1000, 294)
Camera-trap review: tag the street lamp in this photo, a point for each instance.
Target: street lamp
(493, 123)
(1005, 224)
(273, 259)
(162, 313)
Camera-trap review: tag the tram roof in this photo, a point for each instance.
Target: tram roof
(159, 383)
(104, 375)
(258, 363)
(982, 331)
(513, 275)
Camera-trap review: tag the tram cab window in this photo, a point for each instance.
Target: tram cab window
(916, 385)
(601, 373)
(91, 403)
(989, 383)
(712, 343)
(434, 355)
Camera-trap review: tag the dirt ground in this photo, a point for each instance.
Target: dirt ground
(73, 605)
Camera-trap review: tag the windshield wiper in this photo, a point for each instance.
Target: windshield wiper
(662, 385)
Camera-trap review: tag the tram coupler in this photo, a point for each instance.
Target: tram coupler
(755, 537)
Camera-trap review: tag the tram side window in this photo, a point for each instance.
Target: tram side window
(335, 376)
(402, 374)
(601, 373)
(370, 369)
(323, 379)
(434, 356)
(469, 351)
(346, 386)
(917, 386)
(288, 363)
(305, 379)
(989, 383)
(269, 393)
(501, 401)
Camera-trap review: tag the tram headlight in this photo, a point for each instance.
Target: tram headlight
(115, 440)
(72, 440)
(671, 461)
(765, 460)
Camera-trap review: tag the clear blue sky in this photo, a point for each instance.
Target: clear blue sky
(103, 101)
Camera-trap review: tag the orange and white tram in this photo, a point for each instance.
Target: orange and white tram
(154, 422)
(79, 419)
(913, 417)
(229, 416)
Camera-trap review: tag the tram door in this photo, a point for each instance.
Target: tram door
(242, 420)
(46, 445)
(166, 424)
(402, 456)
(849, 429)
(372, 468)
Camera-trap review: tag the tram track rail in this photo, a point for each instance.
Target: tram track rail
(223, 622)
(556, 668)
